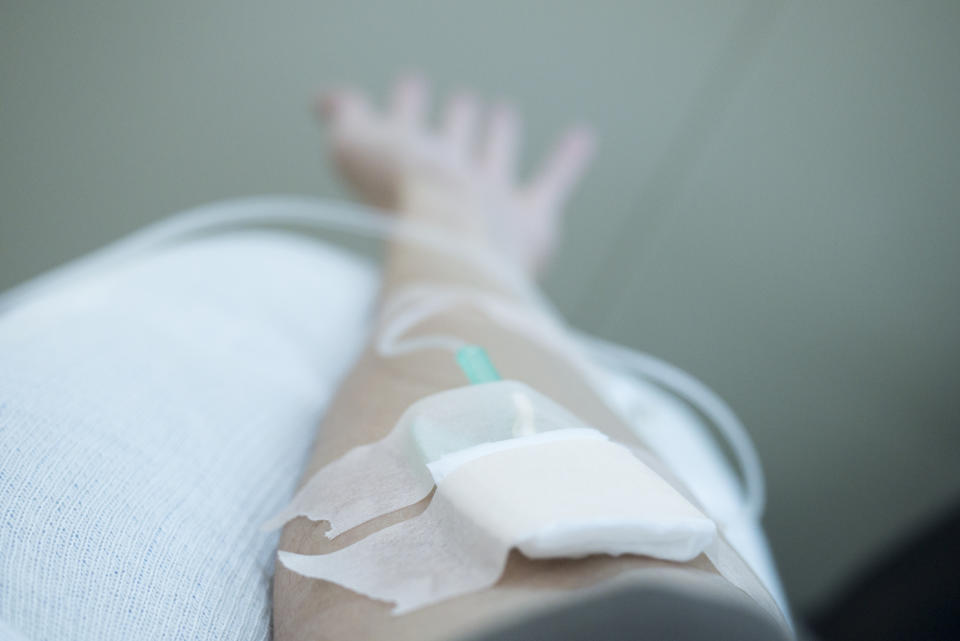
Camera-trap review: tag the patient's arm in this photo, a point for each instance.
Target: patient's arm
(462, 177)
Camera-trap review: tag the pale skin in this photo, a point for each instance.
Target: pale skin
(460, 175)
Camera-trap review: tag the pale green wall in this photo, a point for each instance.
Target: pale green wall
(775, 206)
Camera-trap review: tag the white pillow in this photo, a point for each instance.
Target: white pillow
(151, 419)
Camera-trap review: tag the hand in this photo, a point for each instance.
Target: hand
(469, 168)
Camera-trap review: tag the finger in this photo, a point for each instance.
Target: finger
(460, 122)
(342, 107)
(563, 168)
(408, 103)
(499, 154)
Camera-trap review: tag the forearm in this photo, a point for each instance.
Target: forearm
(368, 405)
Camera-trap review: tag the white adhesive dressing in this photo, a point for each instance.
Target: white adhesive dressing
(568, 494)
(575, 495)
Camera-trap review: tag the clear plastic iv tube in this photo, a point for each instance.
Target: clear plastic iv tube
(278, 211)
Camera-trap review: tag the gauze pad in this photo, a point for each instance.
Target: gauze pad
(512, 470)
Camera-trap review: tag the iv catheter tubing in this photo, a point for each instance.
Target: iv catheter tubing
(368, 222)
(275, 210)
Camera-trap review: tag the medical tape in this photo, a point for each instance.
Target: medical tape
(560, 494)
(378, 478)
(512, 469)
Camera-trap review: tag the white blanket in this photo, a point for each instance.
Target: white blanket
(151, 420)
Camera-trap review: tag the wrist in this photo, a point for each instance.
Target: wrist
(457, 215)
(442, 205)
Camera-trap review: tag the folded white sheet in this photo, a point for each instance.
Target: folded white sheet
(151, 420)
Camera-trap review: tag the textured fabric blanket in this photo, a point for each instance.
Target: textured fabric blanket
(151, 419)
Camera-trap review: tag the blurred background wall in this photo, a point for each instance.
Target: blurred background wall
(775, 206)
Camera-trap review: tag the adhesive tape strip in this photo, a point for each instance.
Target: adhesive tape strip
(377, 478)
(563, 496)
